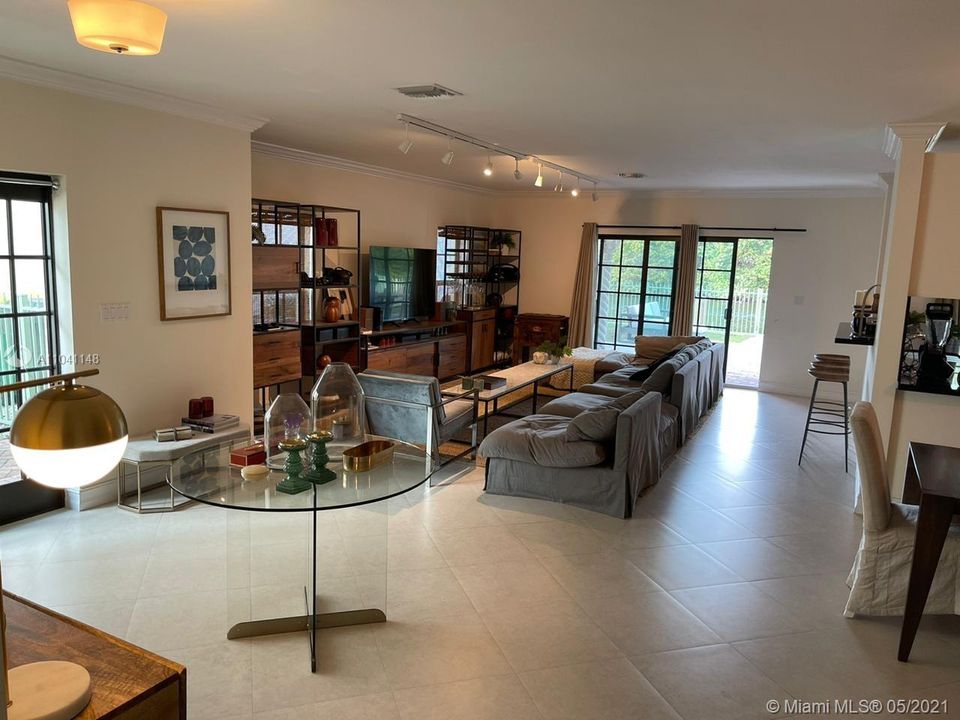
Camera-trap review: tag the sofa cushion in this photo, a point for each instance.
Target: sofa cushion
(613, 384)
(644, 373)
(541, 440)
(598, 424)
(625, 401)
(661, 379)
(573, 404)
(612, 361)
(649, 347)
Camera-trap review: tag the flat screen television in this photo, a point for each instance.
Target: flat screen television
(402, 282)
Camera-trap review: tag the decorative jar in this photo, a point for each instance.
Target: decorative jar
(540, 358)
(337, 405)
(287, 419)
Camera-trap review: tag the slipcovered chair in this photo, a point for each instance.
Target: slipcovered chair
(411, 408)
(881, 571)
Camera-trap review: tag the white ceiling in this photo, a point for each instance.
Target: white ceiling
(697, 94)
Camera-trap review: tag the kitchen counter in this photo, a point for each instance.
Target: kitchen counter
(843, 336)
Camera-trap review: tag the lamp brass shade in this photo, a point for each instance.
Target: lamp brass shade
(68, 417)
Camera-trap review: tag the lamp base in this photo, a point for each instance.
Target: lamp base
(53, 690)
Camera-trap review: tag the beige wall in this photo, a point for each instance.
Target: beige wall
(393, 211)
(118, 163)
(814, 274)
(936, 264)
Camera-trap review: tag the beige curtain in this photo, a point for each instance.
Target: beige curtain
(686, 281)
(583, 305)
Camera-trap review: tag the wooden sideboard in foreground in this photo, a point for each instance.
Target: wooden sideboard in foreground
(127, 682)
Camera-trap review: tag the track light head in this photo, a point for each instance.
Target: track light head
(488, 169)
(539, 181)
(575, 192)
(447, 158)
(593, 195)
(517, 175)
(407, 143)
(559, 186)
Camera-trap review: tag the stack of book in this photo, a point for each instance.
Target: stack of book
(212, 423)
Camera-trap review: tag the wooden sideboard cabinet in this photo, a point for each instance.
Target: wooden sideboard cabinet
(536, 328)
(276, 357)
(481, 329)
(442, 357)
(127, 682)
(451, 356)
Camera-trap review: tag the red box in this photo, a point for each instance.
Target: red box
(249, 455)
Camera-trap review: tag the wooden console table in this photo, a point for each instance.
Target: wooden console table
(127, 682)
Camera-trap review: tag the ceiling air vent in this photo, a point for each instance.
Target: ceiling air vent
(632, 175)
(428, 91)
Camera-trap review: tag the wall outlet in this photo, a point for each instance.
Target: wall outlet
(114, 312)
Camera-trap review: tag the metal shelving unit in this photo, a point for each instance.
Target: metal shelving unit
(468, 255)
(289, 224)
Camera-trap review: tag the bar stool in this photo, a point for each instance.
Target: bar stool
(827, 367)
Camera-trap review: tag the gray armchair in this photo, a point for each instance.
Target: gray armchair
(411, 408)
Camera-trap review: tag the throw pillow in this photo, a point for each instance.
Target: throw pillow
(650, 347)
(661, 379)
(644, 373)
(596, 424)
(625, 401)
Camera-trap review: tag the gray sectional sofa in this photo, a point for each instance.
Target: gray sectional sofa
(600, 447)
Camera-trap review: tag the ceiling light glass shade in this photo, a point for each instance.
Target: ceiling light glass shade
(125, 27)
(447, 158)
(68, 436)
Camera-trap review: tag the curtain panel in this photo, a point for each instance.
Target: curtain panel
(686, 281)
(584, 302)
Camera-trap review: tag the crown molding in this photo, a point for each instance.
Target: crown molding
(126, 94)
(706, 193)
(896, 133)
(337, 163)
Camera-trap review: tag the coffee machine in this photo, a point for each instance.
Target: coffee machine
(934, 372)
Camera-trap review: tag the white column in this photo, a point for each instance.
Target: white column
(907, 143)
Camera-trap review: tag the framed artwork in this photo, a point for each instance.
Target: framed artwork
(193, 248)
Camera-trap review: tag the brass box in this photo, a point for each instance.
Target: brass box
(368, 455)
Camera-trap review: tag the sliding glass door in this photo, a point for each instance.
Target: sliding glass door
(635, 289)
(713, 289)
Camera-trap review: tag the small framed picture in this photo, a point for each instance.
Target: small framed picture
(193, 248)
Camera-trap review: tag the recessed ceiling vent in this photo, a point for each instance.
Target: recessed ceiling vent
(632, 175)
(428, 91)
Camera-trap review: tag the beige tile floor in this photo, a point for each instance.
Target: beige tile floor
(724, 593)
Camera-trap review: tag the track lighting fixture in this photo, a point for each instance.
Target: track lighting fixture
(517, 175)
(593, 195)
(407, 143)
(576, 191)
(559, 186)
(488, 169)
(447, 158)
(539, 181)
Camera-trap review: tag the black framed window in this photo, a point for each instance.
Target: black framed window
(29, 343)
(635, 289)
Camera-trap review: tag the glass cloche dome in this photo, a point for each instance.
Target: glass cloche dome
(287, 418)
(337, 405)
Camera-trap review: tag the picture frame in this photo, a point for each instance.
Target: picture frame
(193, 263)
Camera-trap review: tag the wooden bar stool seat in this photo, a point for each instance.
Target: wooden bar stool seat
(828, 417)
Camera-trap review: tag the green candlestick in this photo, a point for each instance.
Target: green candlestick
(319, 473)
(292, 483)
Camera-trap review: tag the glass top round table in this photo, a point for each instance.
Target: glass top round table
(207, 477)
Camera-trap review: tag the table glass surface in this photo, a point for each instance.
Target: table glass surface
(207, 476)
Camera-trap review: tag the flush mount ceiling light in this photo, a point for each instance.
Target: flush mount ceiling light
(488, 168)
(517, 175)
(124, 27)
(406, 143)
(447, 158)
(539, 181)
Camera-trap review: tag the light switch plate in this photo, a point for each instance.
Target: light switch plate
(114, 312)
